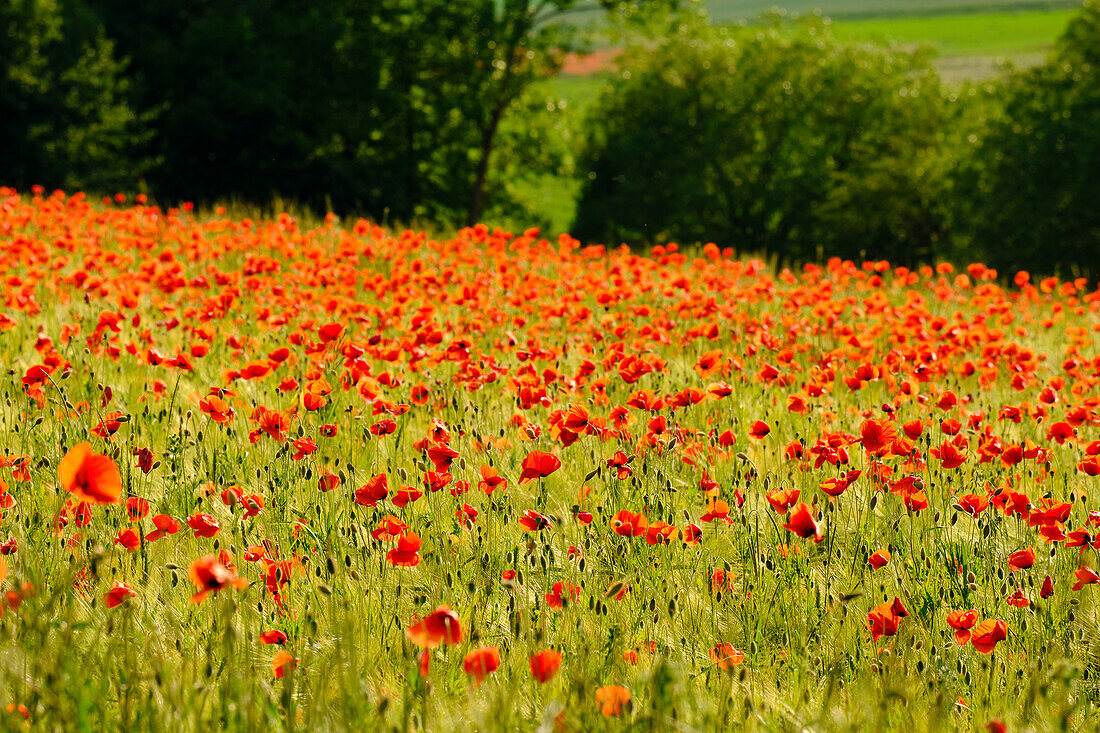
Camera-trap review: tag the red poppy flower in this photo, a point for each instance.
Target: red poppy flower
(136, 508)
(255, 370)
(725, 656)
(986, 635)
(759, 430)
(210, 576)
(128, 538)
(90, 477)
(407, 552)
(621, 463)
(538, 465)
(715, 510)
(1021, 559)
(372, 492)
(145, 459)
(533, 521)
(962, 622)
(165, 525)
(885, 618)
(109, 425)
(405, 495)
(441, 626)
(480, 663)
(628, 524)
(802, 523)
(119, 592)
(1048, 588)
(876, 435)
(660, 533)
(545, 665)
(1085, 576)
(273, 637)
(203, 525)
(563, 592)
(879, 559)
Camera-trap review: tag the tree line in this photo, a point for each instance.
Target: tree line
(776, 138)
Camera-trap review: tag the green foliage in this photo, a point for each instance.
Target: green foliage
(780, 139)
(65, 118)
(1035, 170)
(394, 108)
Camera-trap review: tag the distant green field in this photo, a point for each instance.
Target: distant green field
(722, 11)
(982, 34)
(728, 11)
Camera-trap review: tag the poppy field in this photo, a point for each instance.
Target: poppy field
(327, 476)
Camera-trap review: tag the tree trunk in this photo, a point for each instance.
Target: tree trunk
(488, 138)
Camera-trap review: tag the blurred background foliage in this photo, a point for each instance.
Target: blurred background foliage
(787, 134)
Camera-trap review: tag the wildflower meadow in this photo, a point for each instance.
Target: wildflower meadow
(323, 475)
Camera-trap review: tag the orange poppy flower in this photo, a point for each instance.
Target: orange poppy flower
(491, 480)
(782, 499)
(216, 409)
(283, 663)
(90, 477)
(612, 699)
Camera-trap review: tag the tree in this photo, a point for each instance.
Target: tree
(776, 138)
(393, 108)
(1034, 175)
(63, 112)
